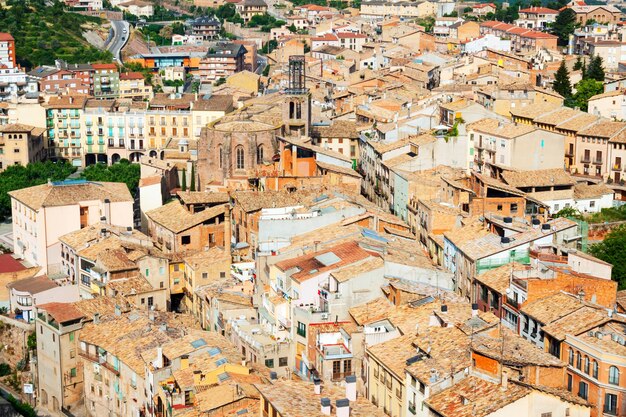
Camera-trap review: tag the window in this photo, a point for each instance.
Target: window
(595, 369)
(259, 154)
(150, 301)
(579, 360)
(205, 275)
(499, 208)
(587, 365)
(220, 156)
(240, 161)
(73, 372)
(147, 272)
(282, 361)
(72, 353)
(613, 375)
(570, 382)
(222, 274)
(610, 404)
(161, 270)
(583, 390)
(185, 240)
(592, 203)
(549, 414)
(347, 366)
(571, 356)
(301, 329)
(514, 208)
(269, 363)
(161, 285)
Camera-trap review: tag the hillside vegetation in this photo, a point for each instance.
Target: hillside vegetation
(45, 33)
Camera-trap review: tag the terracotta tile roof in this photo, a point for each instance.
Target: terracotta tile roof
(551, 308)
(577, 123)
(216, 102)
(338, 129)
(131, 76)
(577, 322)
(62, 312)
(537, 178)
(516, 351)
(534, 111)
(604, 341)
(394, 353)
(6, 37)
(330, 259)
(251, 201)
(130, 286)
(603, 129)
(203, 259)
(166, 100)
(539, 10)
(585, 191)
(201, 197)
(71, 192)
(10, 264)
(148, 181)
(499, 279)
(474, 397)
(174, 217)
(350, 271)
(501, 129)
(281, 395)
(557, 116)
(33, 285)
(67, 102)
(20, 128)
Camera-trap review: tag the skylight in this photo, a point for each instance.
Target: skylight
(328, 258)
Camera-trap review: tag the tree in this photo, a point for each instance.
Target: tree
(292, 28)
(193, 178)
(564, 25)
(585, 89)
(579, 64)
(184, 184)
(124, 171)
(595, 70)
(613, 250)
(568, 212)
(562, 83)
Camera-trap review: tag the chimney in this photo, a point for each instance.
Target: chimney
(351, 387)
(273, 376)
(158, 362)
(474, 310)
(433, 321)
(504, 384)
(107, 210)
(325, 406)
(316, 245)
(343, 407)
(184, 362)
(444, 309)
(317, 386)
(151, 316)
(96, 318)
(118, 310)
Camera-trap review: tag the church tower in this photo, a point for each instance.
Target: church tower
(297, 104)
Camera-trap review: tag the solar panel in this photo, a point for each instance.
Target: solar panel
(223, 377)
(214, 351)
(221, 362)
(328, 258)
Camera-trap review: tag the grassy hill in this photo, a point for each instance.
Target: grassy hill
(44, 33)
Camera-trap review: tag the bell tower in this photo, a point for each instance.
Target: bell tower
(297, 104)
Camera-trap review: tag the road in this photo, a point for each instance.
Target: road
(261, 64)
(119, 38)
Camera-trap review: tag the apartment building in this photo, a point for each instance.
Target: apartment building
(21, 145)
(202, 268)
(539, 18)
(380, 9)
(63, 115)
(522, 39)
(26, 294)
(133, 86)
(603, 13)
(222, 61)
(58, 81)
(106, 80)
(498, 147)
(7, 50)
(59, 370)
(36, 210)
(249, 8)
(207, 27)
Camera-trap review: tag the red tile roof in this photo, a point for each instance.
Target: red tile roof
(325, 37)
(310, 266)
(483, 5)
(9, 264)
(103, 66)
(537, 10)
(62, 312)
(350, 35)
(6, 37)
(131, 76)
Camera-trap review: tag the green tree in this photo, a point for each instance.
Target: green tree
(192, 187)
(595, 70)
(184, 184)
(220, 81)
(292, 28)
(613, 250)
(266, 70)
(564, 25)
(579, 64)
(31, 342)
(562, 84)
(568, 212)
(585, 89)
(124, 171)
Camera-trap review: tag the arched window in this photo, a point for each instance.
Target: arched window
(587, 365)
(221, 156)
(579, 360)
(613, 375)
(595, 369)
(259, 154)
(240, 162)
(571, 356)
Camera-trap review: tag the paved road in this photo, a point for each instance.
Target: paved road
(119, 38)
(6, 234)
(261, 64)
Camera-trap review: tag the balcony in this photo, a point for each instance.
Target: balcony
(513, 303)
(341, 376)
(585, 159)
(598, 161)
(412, 408)
(99, 360)
(332, 352)
(617, 167)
